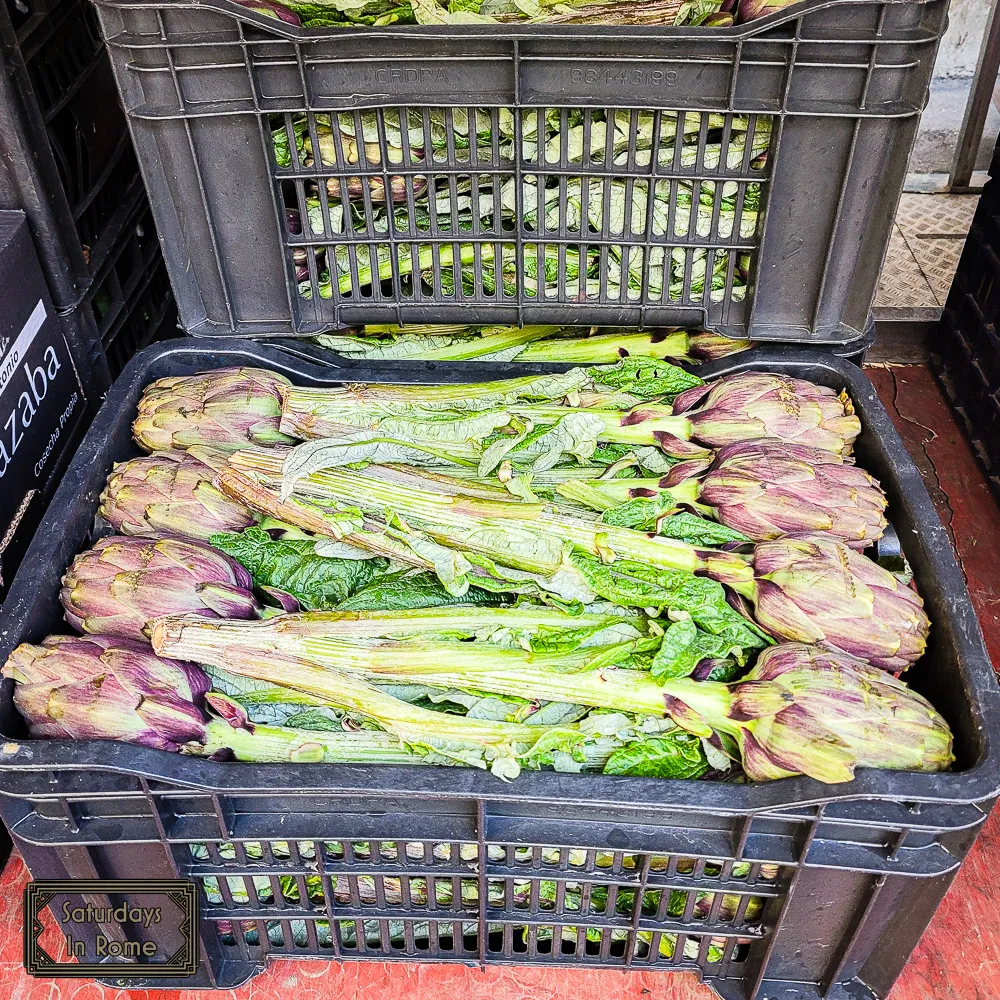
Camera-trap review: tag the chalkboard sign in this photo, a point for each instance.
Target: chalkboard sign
(42, 402)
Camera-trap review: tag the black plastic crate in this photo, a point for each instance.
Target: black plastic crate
(69, 163)
(130, 301)
(815, 109)
(73, 87)
(151, 317)
(788, 889)
(68, 160)
(966, 352)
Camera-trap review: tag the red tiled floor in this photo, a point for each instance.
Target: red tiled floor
(958, 957)
(954, 481)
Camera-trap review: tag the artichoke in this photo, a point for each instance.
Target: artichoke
(803, 710)
(703, 345)
(171, 493)
(743, 407)
(750, 10)
(812, 588)
(346, 151)
(120, 584)
(752, 405)
(226, 409)
(769, 488)
(762, 489)
(103, 688)
(271, 8)
(99, 687)
(806, 587)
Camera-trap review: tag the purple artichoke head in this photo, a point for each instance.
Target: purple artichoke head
(226, 409)
(122, 584)
(103, 688)
(171, 493)
(812, 588)
(804, 710)
(769, 488)
(752, 405)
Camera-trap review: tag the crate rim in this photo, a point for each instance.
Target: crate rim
(502, 32)
(978, 783)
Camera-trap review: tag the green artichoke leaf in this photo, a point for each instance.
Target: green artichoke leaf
(406, 590)
(726, 671)
(696, 530)
(636, 584)
(645, 377)
(685, 645)
(490, 707)
(641, 513)
(574, 435)
(316, 719)
(549, 639)
(674, 755)
(651, 460)
(319, 583)
(279, 137)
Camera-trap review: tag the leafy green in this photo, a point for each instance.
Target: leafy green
(279, 139)
(675, 755)
(651, 460)
(713, 630)
(637, 584)
(698, 530)
(313, 718)
(491, 707)
(685, 645)
(319, 583)
(609, 452)
(640, 513)
(645, 377)
(405, 589)
(548, 639)
(653, 514)
(725, 671)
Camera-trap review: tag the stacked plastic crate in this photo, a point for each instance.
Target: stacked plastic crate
(966, 352)
(69, 164)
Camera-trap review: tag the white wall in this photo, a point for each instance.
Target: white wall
(960, 45)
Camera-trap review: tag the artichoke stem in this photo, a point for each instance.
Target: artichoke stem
(268, 744)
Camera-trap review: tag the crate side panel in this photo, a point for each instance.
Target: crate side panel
(843, 84)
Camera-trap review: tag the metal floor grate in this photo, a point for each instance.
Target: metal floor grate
(927, 239)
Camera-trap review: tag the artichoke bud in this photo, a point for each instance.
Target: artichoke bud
(768, 488)
(836, 713)
(98, 687)
(757, 699)
(813, 588)
(226, 409)
(703, 345)
(230, 711)
(122, 584)
(752, 405)
(171, 493)
(228, 601)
